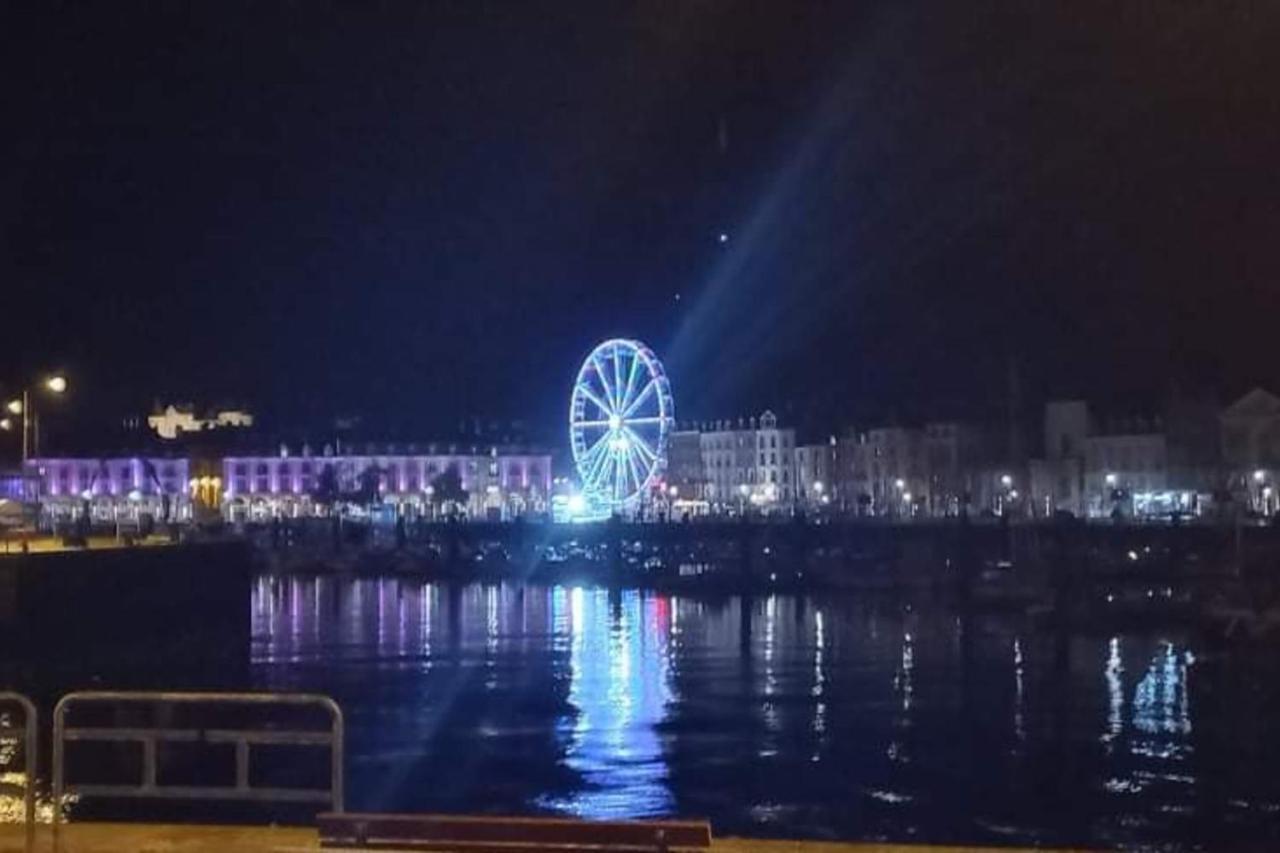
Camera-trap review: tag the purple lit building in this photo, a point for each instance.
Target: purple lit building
(501, 483)
(111, 488)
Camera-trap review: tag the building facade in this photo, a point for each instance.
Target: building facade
(1145, 466)
(500, 483)
(749, 465)
(815, 476)
(112, 489)
(1250, 441)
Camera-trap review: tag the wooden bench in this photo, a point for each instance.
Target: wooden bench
(507, 834)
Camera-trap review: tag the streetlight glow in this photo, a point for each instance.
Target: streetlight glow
(14, 407)
(1111, 479)
(1006, 480)
(1259, 475)
(6, 424)
(56, 384)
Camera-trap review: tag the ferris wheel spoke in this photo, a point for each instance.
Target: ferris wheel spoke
(595, 423)
(653, 420)
(595, 469)
(641, 444)
(591, 395)
(590, 455)
(604, 380)
(634, 464)
(617, 379)
(617, 477)
(631, 381)
(640, 398)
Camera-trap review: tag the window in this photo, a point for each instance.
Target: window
(773, 459)
(761, 458)
(262, 469)
(241, 469)
(773, 441)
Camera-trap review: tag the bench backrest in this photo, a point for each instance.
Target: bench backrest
(506, 834)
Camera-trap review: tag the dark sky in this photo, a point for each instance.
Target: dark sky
(418, 209)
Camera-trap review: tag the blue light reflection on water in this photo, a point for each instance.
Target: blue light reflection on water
(779, 715)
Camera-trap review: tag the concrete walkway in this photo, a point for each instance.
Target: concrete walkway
(161, 838)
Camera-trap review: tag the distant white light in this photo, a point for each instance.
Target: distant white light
(724, 238)
(577, 504)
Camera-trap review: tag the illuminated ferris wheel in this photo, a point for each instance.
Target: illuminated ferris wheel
(620, 415)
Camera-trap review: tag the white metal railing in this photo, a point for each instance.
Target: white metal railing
(152, 738)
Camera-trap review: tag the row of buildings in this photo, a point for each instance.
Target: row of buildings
(494, 482)
(1188, 459)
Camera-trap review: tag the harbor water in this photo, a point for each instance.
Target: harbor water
(843, 717)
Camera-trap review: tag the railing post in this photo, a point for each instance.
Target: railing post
(31, 761)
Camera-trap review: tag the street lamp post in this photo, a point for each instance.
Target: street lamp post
(54, 384)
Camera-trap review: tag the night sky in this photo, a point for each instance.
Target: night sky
(417, 210)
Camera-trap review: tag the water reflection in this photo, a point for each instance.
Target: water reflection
(619, 690)
(830, 717)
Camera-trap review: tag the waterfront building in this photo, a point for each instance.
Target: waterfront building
(1250, 441)
(500, 483)
(686, 470)
(1145, 466)
(111, 489)
(749, 465)
(886, 473)
(815, 476)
